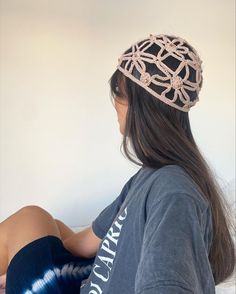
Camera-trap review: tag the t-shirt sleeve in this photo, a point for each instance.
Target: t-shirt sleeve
(104, 220)
(174, 255)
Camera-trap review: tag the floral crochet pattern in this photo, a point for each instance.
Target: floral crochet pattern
(172, 74)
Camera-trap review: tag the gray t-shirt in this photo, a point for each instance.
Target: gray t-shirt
(155, 236)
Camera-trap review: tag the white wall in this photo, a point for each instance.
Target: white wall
(59, 138)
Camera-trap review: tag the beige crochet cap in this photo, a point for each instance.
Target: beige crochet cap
(167, 67)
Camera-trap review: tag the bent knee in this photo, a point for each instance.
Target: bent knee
(33, 213)
(33, 209)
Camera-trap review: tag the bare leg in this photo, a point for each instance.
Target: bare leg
(26, 225)
(3, 254)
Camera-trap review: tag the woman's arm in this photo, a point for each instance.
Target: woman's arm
(83, 244)
(174, 255)
(65, 231)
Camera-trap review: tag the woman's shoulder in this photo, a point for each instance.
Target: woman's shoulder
(170, 180)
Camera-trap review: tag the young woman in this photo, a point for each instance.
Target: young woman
(169, 230)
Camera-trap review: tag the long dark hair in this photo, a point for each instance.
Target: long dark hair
(156, 135)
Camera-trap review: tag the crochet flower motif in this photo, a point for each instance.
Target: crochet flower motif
(176, 82)
(146, 79)
(168, 74)
(176, 48)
